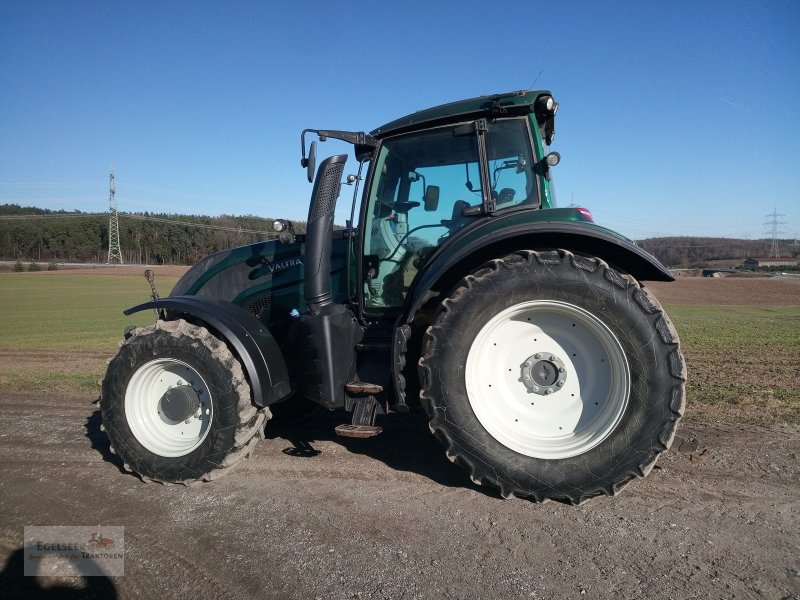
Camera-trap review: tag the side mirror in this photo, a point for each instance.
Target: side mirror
(311, 161)
(431, 198)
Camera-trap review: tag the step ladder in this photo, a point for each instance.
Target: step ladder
(365, 407)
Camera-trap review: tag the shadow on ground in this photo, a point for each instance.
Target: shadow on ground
(99, 440)
(406, 444)
(16, 586)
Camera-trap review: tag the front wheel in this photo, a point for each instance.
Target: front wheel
(176, 405)
(551, 375)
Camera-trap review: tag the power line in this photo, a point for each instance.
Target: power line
(199, 225)
(50, 216)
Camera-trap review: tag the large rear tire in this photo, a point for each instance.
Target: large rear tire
(176, 405)
(550, 375)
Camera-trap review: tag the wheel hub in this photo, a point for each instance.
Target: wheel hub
(179, 403)
(543, 373)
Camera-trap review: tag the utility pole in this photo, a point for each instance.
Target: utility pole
(114, 251)
(775, 251)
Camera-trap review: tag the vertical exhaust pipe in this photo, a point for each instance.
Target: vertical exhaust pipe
(329, 331)
(317, 286)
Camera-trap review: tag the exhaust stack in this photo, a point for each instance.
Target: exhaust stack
(317, 291)
(329, 331)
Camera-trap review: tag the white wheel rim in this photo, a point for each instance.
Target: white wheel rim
(583, 405)
(159, 434)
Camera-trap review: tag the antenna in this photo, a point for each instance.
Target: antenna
(114, 251)
(535, 80)
(775, 251)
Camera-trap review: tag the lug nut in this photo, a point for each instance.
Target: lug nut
(551, 358)
(559, 383)
(538, 355)
(562, 370)
(549, 391)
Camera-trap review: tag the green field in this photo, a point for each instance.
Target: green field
(57, 311)
(58, 329)
(743, 360)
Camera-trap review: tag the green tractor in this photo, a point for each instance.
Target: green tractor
(545, 368)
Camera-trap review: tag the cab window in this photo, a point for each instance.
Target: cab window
(421, 185)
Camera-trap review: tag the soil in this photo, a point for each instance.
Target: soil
(311, 515)
(729, 291)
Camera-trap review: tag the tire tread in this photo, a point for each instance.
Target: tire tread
(251, 419)
(505, 481)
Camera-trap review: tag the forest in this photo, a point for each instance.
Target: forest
(695, 252)
(34, 234)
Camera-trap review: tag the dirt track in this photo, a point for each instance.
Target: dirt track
(392, 518)
(732, 291)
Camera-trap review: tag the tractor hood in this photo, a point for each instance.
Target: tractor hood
(266, 277)
(224, 274)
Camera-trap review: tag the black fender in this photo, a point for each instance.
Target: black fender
(255, 346)
(497, 237)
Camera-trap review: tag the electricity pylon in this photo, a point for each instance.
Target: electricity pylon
(114, 251)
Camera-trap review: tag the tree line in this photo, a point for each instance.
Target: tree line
(36, 234)
(687, 252)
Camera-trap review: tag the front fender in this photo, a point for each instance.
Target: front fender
(259, 352)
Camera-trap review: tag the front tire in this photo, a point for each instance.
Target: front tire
(176, 405)
(550, 375)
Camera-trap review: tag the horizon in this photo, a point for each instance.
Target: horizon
(54, 214)
(675, 120)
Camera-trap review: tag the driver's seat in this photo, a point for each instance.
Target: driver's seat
(457, 221)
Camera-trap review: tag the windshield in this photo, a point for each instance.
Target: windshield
(427, 186)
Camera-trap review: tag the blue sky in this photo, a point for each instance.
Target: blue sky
(676, 118)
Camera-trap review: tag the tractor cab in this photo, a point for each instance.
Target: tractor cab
(427, 187)
(435, 173)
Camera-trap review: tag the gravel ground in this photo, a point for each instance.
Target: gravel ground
(390, 517)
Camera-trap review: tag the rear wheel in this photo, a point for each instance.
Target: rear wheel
(551, 375)
(176, 405)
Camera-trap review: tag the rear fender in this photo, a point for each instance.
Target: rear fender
(480, 244)
(253, 343)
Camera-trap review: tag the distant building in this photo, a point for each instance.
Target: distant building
(755, 263)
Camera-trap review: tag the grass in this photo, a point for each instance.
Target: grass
(50, 382)
(58, 329)
(743, 361)
(71, 312)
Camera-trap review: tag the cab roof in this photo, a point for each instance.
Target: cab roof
(519, 102)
